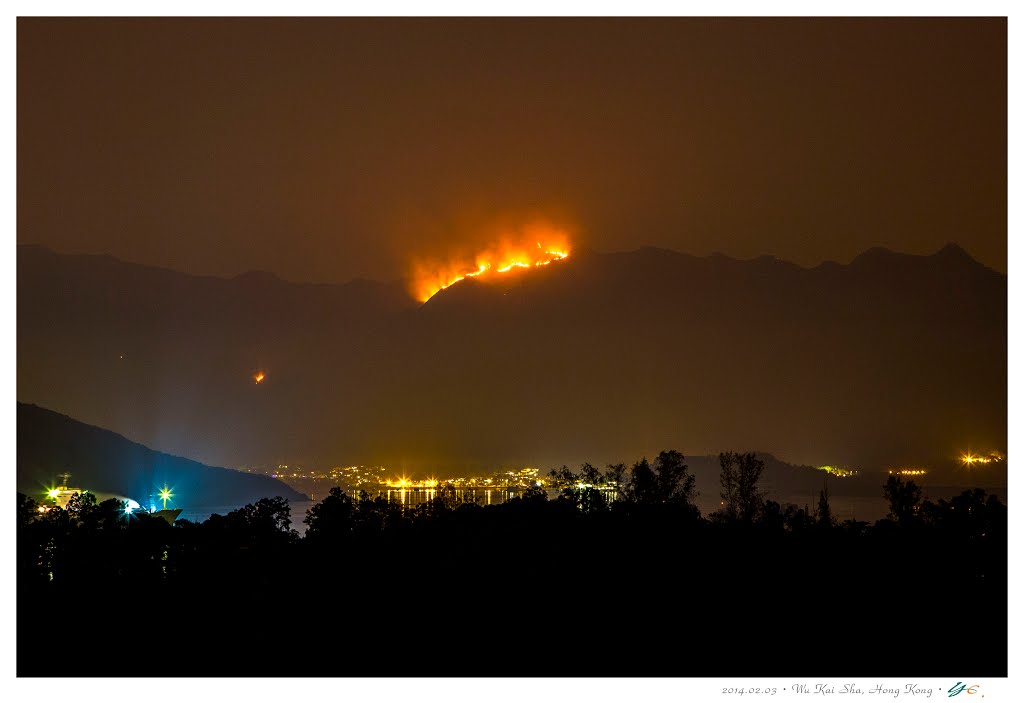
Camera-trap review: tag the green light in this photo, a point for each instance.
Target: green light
(165, 495)
(53, 493)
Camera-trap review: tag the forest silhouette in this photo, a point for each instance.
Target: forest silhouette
(576, 585)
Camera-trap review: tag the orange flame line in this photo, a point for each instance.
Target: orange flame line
(555, 254)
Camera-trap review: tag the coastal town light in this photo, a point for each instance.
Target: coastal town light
(968, 458)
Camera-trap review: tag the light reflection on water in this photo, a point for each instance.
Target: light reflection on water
(484, 496)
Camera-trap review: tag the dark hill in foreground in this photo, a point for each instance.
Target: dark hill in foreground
(107, 463)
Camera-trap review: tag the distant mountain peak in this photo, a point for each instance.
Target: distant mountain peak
(874, 254)
(258, 277)
(953, 251)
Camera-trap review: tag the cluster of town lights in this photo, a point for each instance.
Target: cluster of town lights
(969, 459)
(403, 482)
(839, 471)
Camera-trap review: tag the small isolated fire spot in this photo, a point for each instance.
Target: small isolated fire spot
(258, 377)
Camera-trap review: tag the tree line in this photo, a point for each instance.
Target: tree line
(663, 488)
(619, 559)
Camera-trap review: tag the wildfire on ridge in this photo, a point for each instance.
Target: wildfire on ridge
(537, 247)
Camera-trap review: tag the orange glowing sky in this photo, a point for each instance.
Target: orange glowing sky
(535, 245)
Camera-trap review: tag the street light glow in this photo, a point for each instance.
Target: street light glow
(968, 458)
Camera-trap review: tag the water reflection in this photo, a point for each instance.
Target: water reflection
(411, 497)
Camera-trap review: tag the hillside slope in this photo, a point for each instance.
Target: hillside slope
(107, 463)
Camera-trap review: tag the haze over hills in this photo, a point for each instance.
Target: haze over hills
(890, 359)
(106, 463)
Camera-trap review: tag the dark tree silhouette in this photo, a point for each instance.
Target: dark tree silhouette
(535, 494)
(374, 515)
(675, 483)
(641, 485)
(27, 510)
(972, 513)
(667, 482)
(824, 517)
(82, 507)
(615, 476)
(332, 518)
(729, 482)
(739, 476)
(583, 490)
(904, 500)
(111, 515)
(267, 519)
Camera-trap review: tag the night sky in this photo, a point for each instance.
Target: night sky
(331, 149)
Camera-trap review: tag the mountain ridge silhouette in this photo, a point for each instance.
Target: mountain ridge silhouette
(601, 357)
